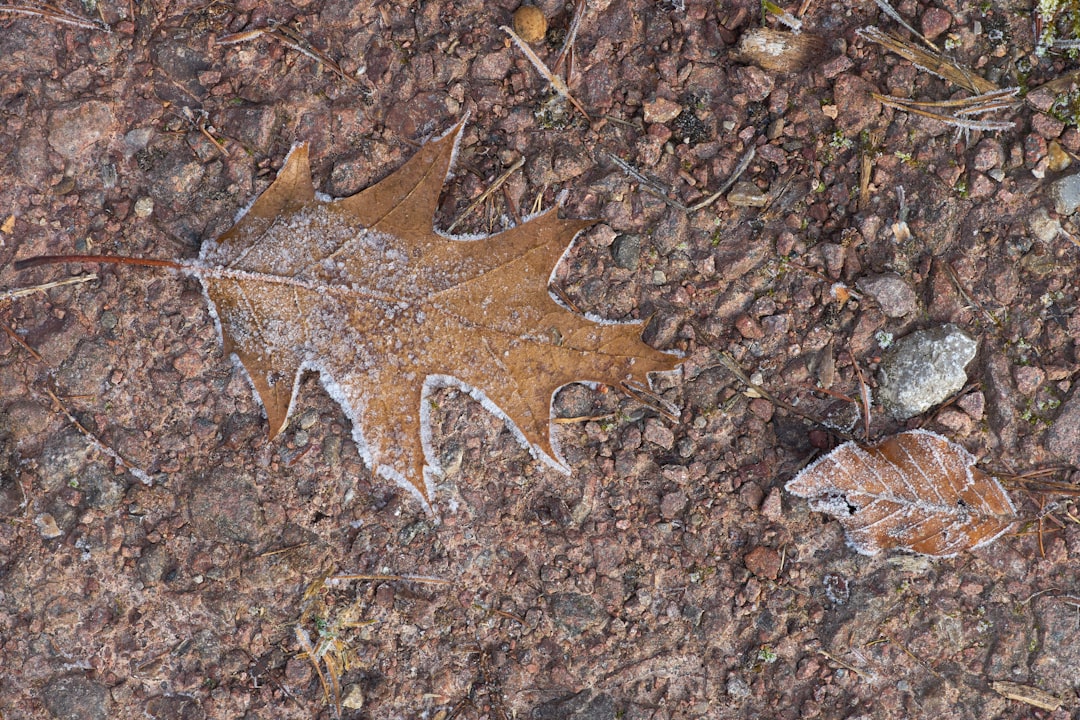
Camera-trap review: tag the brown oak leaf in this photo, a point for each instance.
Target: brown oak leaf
(914, 491)
(367, 293)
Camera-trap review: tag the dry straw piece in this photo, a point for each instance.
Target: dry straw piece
(914, 491)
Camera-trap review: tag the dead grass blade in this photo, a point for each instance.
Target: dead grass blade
(1026, 694)
(56, 15)
(958, 120)
(929, 61)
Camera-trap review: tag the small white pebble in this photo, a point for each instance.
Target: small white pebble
(144, 206)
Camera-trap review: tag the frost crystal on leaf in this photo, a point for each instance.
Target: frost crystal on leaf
(914, 491)
(367, 293)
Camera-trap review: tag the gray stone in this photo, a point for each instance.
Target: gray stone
(1064, 437)
(1066, 194)
(75, 697)
(174, 707)
(585, 705)
(924, 369)
(895, 296)
(626, 251)
(575, 613)
(225, 508)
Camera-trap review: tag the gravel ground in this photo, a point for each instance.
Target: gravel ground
(669, 576)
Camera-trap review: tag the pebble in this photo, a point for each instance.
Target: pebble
(1066, 194)
(773, 507)
(225, 508)
(935, 21)
(75, 127)
(737, 688)
(1064, 437)
(1028, 379)
(673, 504)
(763, 562)
(144, 206)
(1042, 226)
(895, 296)
(353, 697)
(988, 155)
(747, 194)
(661, 110)
(585, 705)
(626, 251)
(924, 369)
(575, 613)
(1057, 158)
(174, 707)
(75, 696)
(659, 434)
(46, 525)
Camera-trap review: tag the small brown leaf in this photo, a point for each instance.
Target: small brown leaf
(367, 293)
(914, 491)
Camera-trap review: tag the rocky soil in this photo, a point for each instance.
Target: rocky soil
(669, 576)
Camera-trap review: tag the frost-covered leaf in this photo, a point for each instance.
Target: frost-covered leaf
(914, 491)
(364, 291)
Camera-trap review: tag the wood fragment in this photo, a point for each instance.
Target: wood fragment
(1026, 694)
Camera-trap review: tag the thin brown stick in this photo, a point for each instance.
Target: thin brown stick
(19, 341)
(32, 262)
(487, 193)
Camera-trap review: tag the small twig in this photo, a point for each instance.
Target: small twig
(744, 162)
(564, 298)
(891, 12)
(19, 341)
(566, 52)
(654, 188)
(347, 577)
(581, 419)
(290, 39)
(19, 292)
(304, 640)
(140, 474)
(846, 665)
(864, 396)
(648, 398)
(967, 297)
(782, 16)
(729, 362)
(487, 193)
(866, 166)
(199, 119)
(57, 15)
(556, 82)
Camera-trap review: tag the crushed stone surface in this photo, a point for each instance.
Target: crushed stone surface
(666, 577)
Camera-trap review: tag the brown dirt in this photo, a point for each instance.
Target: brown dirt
(669, 576)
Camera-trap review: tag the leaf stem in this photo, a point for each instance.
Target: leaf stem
(32, 262)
